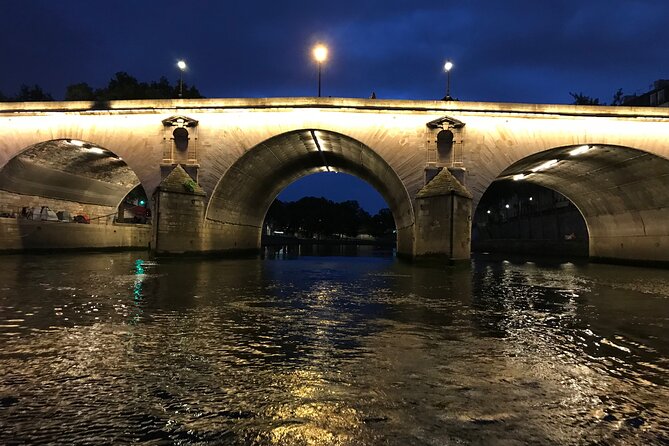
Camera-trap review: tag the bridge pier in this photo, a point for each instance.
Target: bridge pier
(631, 238)
(179, 212)
(442, 230)
(443, 220)
(230, 239)
(180, 225)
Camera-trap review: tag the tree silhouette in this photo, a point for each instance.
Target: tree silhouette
(618, 97)
(121, 86)
(79, 92)
(28, 93)
(33, 93)
(320, 217)
(125, 86)
(581, 99)
(383, 223)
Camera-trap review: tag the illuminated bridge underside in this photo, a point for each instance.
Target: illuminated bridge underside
(71, 178)
(621, 192)
(244, 194)
(63, 170)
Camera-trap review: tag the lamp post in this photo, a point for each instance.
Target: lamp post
(182, 66)
(447, 67)
(320, 55)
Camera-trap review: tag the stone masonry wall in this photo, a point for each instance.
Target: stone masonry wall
(17, 234)
(13, 203)
(179, 222)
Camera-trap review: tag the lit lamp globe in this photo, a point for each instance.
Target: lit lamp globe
(320, 53)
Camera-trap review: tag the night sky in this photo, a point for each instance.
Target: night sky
(503, 51)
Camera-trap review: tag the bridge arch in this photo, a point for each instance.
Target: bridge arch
(620, 191)
(244, 193)
(76, 176)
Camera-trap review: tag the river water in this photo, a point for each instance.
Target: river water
(340, 350)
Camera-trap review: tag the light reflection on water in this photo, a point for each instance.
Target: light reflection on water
(117, 348)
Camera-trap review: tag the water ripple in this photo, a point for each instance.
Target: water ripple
(117, 349)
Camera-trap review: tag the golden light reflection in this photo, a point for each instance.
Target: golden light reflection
(312, 416)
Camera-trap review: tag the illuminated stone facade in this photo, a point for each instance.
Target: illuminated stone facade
(243, 152)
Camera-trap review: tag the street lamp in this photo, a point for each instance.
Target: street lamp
(447, 67)
(182, 66)
(320, 55)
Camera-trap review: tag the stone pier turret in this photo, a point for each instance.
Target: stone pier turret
(443, 219)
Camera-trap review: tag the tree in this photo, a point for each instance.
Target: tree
(277, 215)
(32, 93)
(122, 86)
(581, 99)
(383, 223)
(79, 92)
(28, 93)
(125, 86)
(160, 90)
(349, 218)
(618, 97)
(191, 92)
(320, 217)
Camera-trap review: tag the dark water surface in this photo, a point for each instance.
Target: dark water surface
(118, 348)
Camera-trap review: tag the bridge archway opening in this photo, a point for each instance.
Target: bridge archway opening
(621, 193)
(330, 206)
(523, 218)
(72, 178)
(244, 194)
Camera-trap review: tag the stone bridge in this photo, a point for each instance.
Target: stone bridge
(430, 160)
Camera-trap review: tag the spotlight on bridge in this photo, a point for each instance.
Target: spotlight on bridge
(580, 150)
(547, 165)
(520, 176)
(96, 150)
(320, 53)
